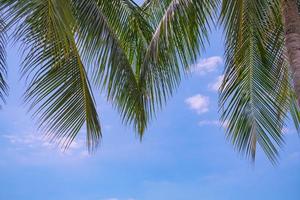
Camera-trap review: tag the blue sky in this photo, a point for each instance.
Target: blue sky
(184, 154)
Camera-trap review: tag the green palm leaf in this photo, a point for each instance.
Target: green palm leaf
(3, 85)
(181, 29)
(255, 94)
(112, 36)
(138, 56)
(59, 88)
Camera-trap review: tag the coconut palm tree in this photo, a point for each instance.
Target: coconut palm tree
(137, 55)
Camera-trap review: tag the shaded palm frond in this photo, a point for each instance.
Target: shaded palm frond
(181, 29)
(112, 35)
(255, 95)
(3, 85)
(59, 89)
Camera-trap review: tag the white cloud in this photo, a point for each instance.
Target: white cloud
(35, 140)
(198, 103)
(207, 65)
(213, 123)
(33, 149)
(37, 145)
(209, 123)
(84, 154)
(29, 140)
(217, 84)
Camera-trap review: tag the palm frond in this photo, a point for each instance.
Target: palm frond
(255, 94)
(3, 85)
(111, 35)
(59, 89)
(181, 29)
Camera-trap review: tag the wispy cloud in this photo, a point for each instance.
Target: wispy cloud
(213, 123)
(33, 148)
(207, 65)
(215, 86)
(198, 103)
(35, 140)
(209, 123)
(23, 139)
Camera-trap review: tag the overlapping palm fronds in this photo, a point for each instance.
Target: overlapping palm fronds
(181, 29)
(112, 43)
(137, 55)
(133, 57)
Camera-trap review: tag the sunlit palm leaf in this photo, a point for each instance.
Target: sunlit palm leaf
(181, 28)
(112, 39)
(255, 93)
(59, 88)
(138, 55)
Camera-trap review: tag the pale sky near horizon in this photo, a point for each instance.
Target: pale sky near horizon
(183, 156)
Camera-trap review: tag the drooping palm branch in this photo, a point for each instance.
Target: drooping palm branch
(174, 44)
(58, 88)
(112, 45)
(137, 55)
(126, 53)
(256, 94)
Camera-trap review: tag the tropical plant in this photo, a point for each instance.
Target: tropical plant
(137, 55)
